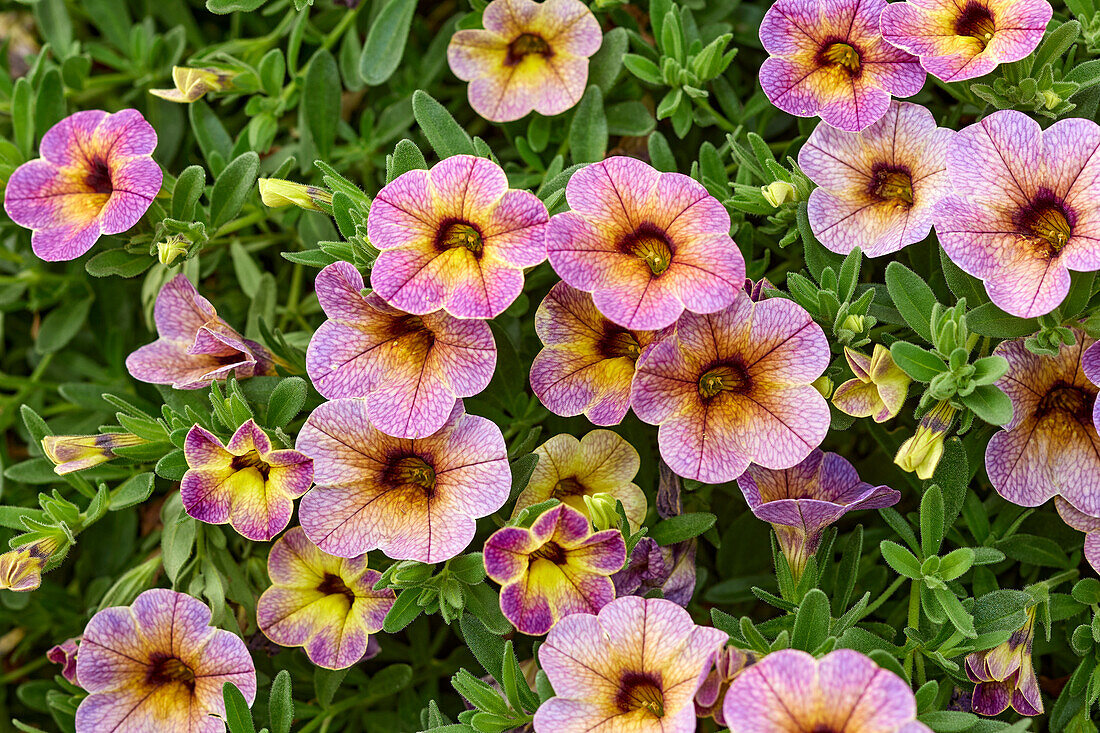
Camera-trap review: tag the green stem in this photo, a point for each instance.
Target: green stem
(882, 598)
(19, 672)
(719, 118)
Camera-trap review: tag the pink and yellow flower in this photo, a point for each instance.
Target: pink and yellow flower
(632, 668)
(1004, 675)
(879, 388)
(729, 663)
(455, 237)
(324, 603)
(411, 499)
(531, 56)
(71, 453)
(158, 665)
(410, 370)
(647, 245)
(877, 188)
(96, 176)
(21, 568)
(65, 655)
(828, 59)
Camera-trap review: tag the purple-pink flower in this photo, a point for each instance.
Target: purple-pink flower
(1004, 675)
(65, 655)
(1082, 523)
(729, 663)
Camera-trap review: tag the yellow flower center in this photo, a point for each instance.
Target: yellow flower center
(723, 378)
(252, 460)
(976, 21)
(461, 234)
(843, 56)
(1051, 225)
(649, 244)
(641, 691)
(525, 45)
(618, 343)
(413, 471)
(893, 184)
(165, 669)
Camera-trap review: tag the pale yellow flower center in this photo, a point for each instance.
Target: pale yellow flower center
(976, 21)
(843, 56)
(892, 184)
(723, 378)
(568, 487)
(460, 234)
(413, 471)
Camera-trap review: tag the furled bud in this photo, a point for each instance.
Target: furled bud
(601, 511)
(276, 192)
(921, 453)
(77, 452)
(778, 193)
(192, 84)
(172, 248)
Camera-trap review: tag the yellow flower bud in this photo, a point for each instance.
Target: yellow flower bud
(276, 192)
(1050, 99)
(192, 84)
(921, 453)
(77, 452)
(824, 385)
(21, 568)
(600, 508)
(853, 323)
(171, 248)
(779, 193)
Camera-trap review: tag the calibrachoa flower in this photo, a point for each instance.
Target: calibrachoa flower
(1024, 210)
(959, 41)
(921, 453)
(412, 499)
(455, 237)
(157, 665)
(879, 388)
(1005, 676)
(410, 369)
(877, 188)
(828, 59)
(729, 663)
(569, 470)
(21, 568)
(734, 388)
(652, 567)
(244, 483)
(531, 56)
(647, 245)
(633, 668)
(324, 603)
(1082, 523)
(71, 453)
(196, 346)
(192, 84)
(555, 568)
(65, 655)
(96, 176)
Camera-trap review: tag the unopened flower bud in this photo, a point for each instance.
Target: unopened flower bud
(778, 193)
(601, 511)
(192, 84)
(21, 568)
(824, 385)
(172, 248)
(921, 453)
(1050, 99)
(853, 323)
(71, 453)
(276, 192)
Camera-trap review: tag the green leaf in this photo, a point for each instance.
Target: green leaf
(920, 364)
(248, 272)
(186, 192)
(588, 131)
(931, 520)
(211, 135)
(390, 680)
(280, 705)
(989, 320)
(446, 136)
(326, 682)
(486, 646)
(49, 106)
(949, 721)
(22, 116)
(912, 297)
(522, 468)
(1034, 550)
(811, 622)
(223, 7)
(682, 527)
(956, 614)
(900, 559)
(286, 401)
(990, 404)
(238, 717)
(61, 324)
(119, 261)
(232, 188)
(132, 491)
(404, 610)
(605, 65)
(172, 466)
(386, 40)
(321, 101)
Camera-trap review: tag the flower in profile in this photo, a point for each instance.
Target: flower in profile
(601, 462)
(21, 568)
(556, 567)
(196, 346)
(1004, 675)
(455, 237)
(410, 370)
(635, 666)
(71, 453)
(828, 59)
(531, 56)
(734, 388)
(324, 603)
(1082, 523)
(65, 655)
(158, 665)
(276, 192)
(921, 453)
(411, 499)
(789, 691)
(192, 84)
(960, 41)
(96, 176)
(729, 663)
(244, 483)
(646, 244)
(877, 188)
(879, 388)
(650, 567)
(1023, 210)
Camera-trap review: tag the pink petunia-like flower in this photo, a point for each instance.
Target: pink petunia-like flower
(555, 568)
(1024, 210)
(1082, 523)
(409, 369)
(632, 668)
(455, 237)
(789, 691)
(324, 603)
(65, 655)
(828, 59)
(531, 56)
(196, 346)
(646, 244)
(879, 388)
(1004, 675)
(734, 388)
(877, 188)
(411, 499)
(96, 176)
(729, 663)
(958, 41)
(158, 666)
(244, 482)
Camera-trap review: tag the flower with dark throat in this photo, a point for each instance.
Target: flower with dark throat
(1004, 675)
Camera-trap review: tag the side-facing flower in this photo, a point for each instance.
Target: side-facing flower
(192, 84)
(324, 603)
(921, 453)
(21, 568)
(646, 244)
(411, 499)
(879, 388)
(96, 176)
(651, 567)
(196, 346)
(531, 56)
(409, 369)
(556, 567)
(877, 189)
(1005, 676)
(71, 453)
(729, 663)
(65, 655)
(1082, 523)
(455, 237)
(158, 666)
(828, 59)
(635, 666)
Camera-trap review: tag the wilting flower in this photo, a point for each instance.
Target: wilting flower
(555, 568)
(801, 501)
(879, 388)
(921, 453)
(1023, 212)
(734, 388)
(1005, 676)
(96, 176)
(960, 41)
(633, 667)
(157, 665)
(651, 567)
(244, 483)
(21, 568)
(729, 663)
(275, 192)
(71, 453)
(410, 369)
(828, 59)
(196, 346)
(647, 245)
(531, 56)
(192, 84)
(601, 462)
(455, 237)
(412, 499)
(877, 188)
(324, 603)
(65, 655)
(1082, 523)
(789, 691)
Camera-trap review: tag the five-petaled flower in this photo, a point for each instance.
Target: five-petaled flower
(1004, 675)
(879, 388)
(71, 453)
(21, 568)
